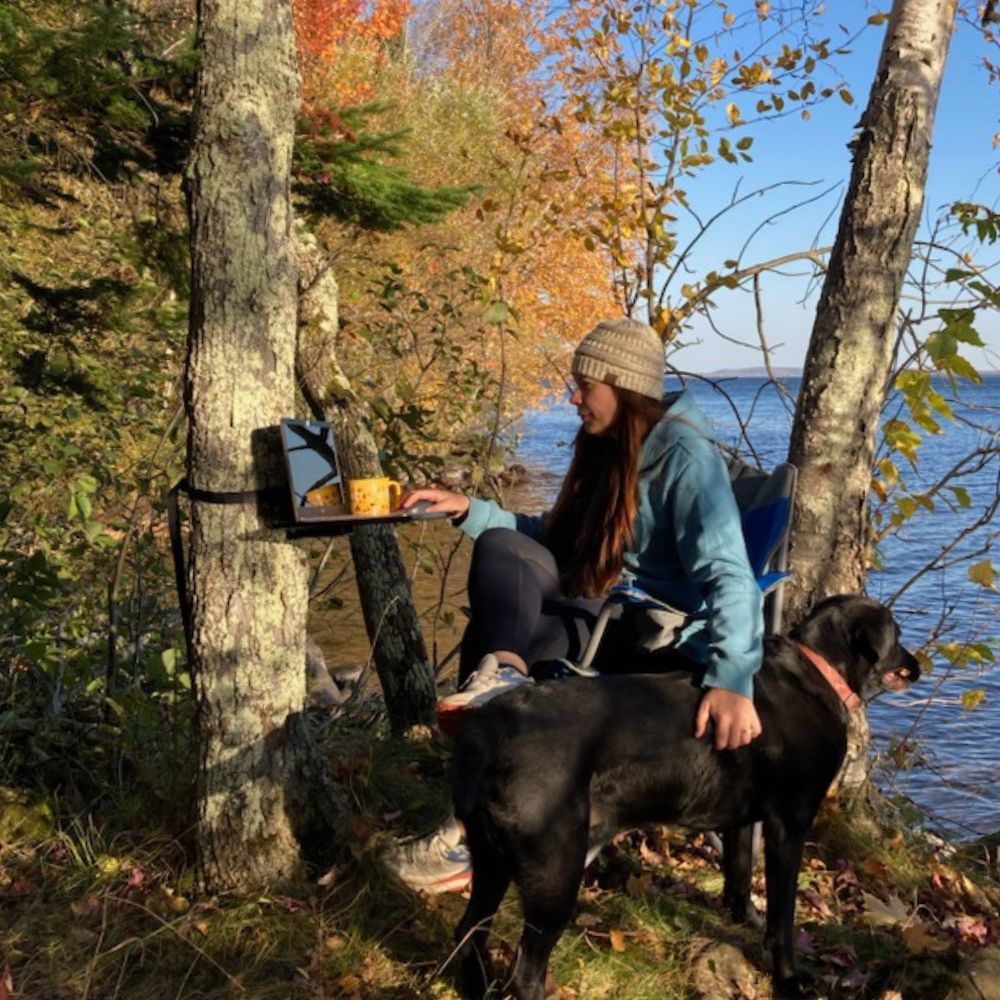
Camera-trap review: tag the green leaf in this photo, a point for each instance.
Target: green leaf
(168, 657)
(941, 345)
(115, 707)
(961, 496)
(959, 366)
(497, 313)
(957, 274)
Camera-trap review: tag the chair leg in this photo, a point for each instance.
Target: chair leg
(583, 667)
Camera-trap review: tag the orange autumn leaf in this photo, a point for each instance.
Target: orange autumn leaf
(340, 43)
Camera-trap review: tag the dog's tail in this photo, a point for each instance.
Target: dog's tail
(473, 755)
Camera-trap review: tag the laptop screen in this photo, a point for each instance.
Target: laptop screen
(313, 473)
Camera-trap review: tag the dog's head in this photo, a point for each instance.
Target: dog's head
(860, 637)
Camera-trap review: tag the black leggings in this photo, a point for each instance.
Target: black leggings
(517, 604)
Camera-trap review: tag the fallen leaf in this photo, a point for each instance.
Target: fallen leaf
(817, 902)
(85, 907)
(919, 939)
(972, 931)
(876, 869)
(640, 885)
(617, 940)
(805, 943)
(888, 914)
(586, 920)
(854, 979)
(650, 856)
(843, 956)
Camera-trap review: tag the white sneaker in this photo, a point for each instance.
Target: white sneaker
(488, 680)
(439, 862)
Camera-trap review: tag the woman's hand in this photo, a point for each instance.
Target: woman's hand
(445, 501)
(733, 718)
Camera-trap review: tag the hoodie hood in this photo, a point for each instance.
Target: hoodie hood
(681, 420)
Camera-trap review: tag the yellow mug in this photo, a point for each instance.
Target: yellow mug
(375, 496)
(326, 496)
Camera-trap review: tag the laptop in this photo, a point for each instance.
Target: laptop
(316, 486)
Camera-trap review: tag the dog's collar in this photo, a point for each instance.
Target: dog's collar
(833, 678)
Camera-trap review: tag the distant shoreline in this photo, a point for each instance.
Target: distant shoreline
(776, 371)
(785, 372)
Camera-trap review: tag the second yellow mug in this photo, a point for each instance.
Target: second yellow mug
(378, 495)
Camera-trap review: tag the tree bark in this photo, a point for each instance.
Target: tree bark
(384, 589)
(248, 587)
(852, 348)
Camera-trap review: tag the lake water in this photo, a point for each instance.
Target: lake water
(955, 784)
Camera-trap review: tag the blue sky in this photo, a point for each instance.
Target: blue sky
(963, 166)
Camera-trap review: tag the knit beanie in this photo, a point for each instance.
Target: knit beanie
(624, 353)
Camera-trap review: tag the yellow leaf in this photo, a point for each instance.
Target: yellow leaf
(880, 18)
(733, 113)
(919, 939)
(983, 573)
(617, 940)
(108, 865)
(728, 19)
(973, 699)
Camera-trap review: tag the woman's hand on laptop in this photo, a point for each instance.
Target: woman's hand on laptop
(440, 500)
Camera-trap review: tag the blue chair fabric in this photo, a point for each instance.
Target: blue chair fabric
(765, 501)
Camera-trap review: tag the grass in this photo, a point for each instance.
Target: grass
(90, 911)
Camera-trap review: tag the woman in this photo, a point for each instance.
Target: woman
(646, 500)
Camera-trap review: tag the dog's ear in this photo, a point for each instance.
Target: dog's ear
(873, 637)
(873, 632)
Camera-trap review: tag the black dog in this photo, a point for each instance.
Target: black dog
(547, 772)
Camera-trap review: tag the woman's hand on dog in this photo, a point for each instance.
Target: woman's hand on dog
(733, 716)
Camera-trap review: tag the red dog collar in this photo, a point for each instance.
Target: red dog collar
(834, 679)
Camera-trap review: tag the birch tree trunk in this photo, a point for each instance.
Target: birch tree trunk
(384, 589)
(851, 352)
(248, 587)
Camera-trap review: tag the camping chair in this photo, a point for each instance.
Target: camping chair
(765, 504)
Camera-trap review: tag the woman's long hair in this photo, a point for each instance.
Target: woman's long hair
(592, 520)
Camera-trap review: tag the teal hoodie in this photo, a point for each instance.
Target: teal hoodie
(688, 548)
